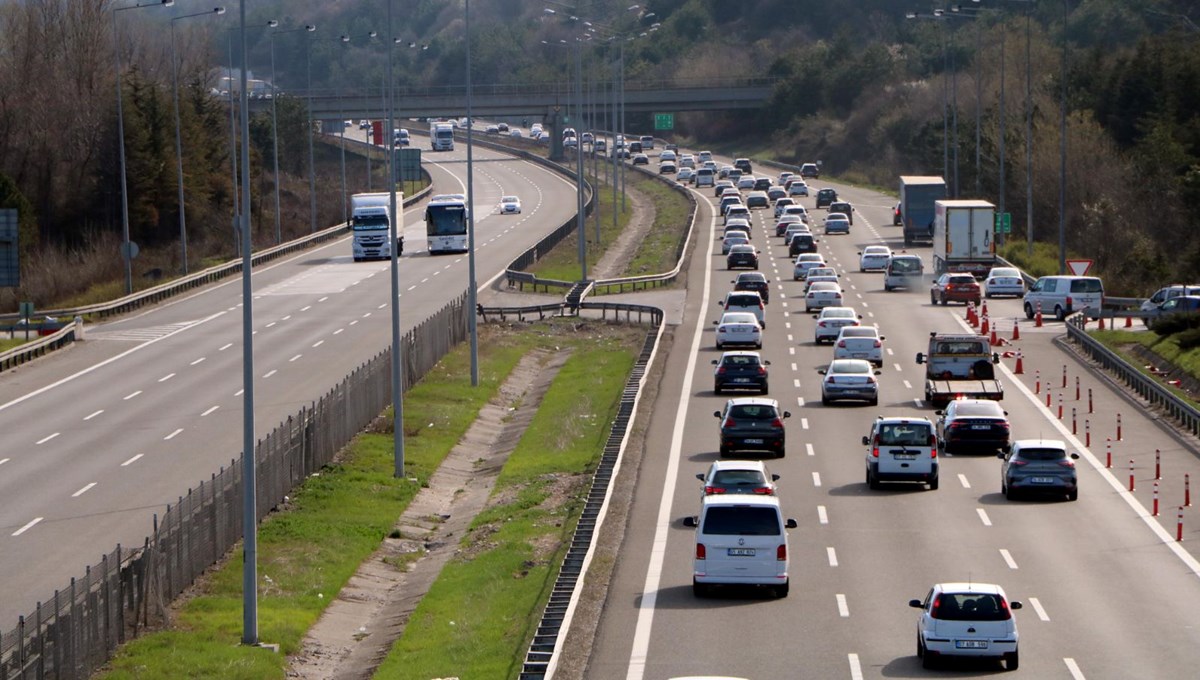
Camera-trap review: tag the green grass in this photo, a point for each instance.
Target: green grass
(6, 344)
(657, 253)
(1166, 347)
(562, 262)
(339, 517)
(480, 615)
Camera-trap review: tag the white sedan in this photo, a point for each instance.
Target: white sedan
(805, 262)
(822, 294)
(814, 277)
(510, 205)
(859, 342)
(797, 188)
(831, 320)
(738, 328)
(1004, 281)
(873, 258)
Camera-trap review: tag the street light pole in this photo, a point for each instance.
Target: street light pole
(233, 148)
(472, 293)
(312, 169)
(394, 233)
(126, 245)
(179, 136)
(1062, 168)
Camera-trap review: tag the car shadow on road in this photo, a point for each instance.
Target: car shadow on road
(885, 489)
(910, 667)
(682, 597)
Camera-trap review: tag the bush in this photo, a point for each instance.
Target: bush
(1189, 339)
(1175, 323)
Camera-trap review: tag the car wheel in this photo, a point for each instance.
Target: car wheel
(1059, 313)
(920, 647)
(988, 295)
(825, 400)
(887, 288)
(1028, 311)
(875, 401)
(1012, 661)
(724, 450)
(699, 589)
(928, 661)
(764, 389)
(944, 303)
(716, 389)
(782, 591)
(1010, 493)
(1073, 495)
(933, 483)
(932, 299)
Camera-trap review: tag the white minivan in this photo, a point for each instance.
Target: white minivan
(741, 540)
(901, 449)
(1063, 295)
(903, 271)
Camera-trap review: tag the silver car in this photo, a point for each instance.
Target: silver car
(1004, 281)
(821, 295)
(859, 342)
(1038, 466)
(849, 379)
(831, 320)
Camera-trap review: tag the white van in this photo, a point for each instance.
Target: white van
(901, 450)
(704, 177)
(1063, 295)
(740, 540)
(903, 271)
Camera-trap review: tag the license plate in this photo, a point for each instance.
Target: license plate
(904, 456)
(741, 380)
(741, 552)
(981, 427)
(971, 644)
(858, 355)
(1042, 480)
(754, 441)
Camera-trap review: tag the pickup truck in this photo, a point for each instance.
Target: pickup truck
(959, 365)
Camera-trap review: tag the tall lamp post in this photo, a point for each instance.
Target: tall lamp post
(178, 134)
(275, 120)
(126, 245)
(312, 168)
(394, 232)
(937, 15)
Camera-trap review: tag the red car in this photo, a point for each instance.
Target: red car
(954, 288)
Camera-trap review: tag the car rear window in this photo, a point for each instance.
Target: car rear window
(1087, 286)
(962, 279)
(970, 607)
(738, 520)
(745, 299)
(904, 264)
(727, 478)
(741, 360)
(1043, 454)
(858, 332)
(979, 408)
(910, 434)
(752, 412)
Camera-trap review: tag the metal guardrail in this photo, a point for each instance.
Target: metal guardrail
(1158, 395)
(36, 348)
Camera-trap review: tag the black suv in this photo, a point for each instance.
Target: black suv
(755, 281)
(740, 371)
(752, 423)
(810, 171)
(843, 207)
(743, 164)
(802, 243)
(826, 197)
(762, 183)
(742, 256)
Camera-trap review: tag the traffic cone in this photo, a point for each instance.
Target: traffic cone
(1102, 322)
(983, 309)
(1038, 318)
(970, 313)
(995, 341)
(1129, 322)
(1016, 330)
(1020, 364)
(984, 326)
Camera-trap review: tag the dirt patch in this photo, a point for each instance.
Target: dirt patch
(355, 632)
(620, 253)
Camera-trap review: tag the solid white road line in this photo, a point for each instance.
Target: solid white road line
(855, 667)
(27, 527)
(1037, 607)
(1073, 668)
(963, 479)
(82, 491)
(843, 608)
(1008, 559)
(832, 556)
(822, 515)
(983, 517)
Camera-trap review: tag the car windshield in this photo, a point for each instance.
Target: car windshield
(1043, 454)
(752, 412)
(970, 607)
(509, 199)
(742, 521)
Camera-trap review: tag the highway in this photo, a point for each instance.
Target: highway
(1107, 591)
(103, 435)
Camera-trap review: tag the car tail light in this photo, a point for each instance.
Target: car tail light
(1069, 302)
(821, 324)
(812, 295)
(842, 344)
(764, 491)
(1003, 425)
(701, 553)
(714, 489)
(878, 344)
(871, 380)
(729, 422)
(760, 303)
(1017, 463)
(720, 369)
(933, 611)
(1067, 463)
(762, 370)
(1004, 609)
(777, 422)
(875, 448)
(781, 552)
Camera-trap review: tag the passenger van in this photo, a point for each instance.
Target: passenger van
(647, 141)
(903, 271)
(704, 177)
(901, 450)
(740, 540)
(1064, 295)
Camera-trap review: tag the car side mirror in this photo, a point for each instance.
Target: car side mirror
(1075, 456)
(1002, 455)
(717, 361)
(689, 521)
(1015, 605)
(860, 316)
(774, 478)
(791, 523)
(860, 252)
(717, 414)
(787, 414)
(821, 371)
(716, 323)
(995, 358)
(916, 604)
(920, 357)
(815, 316)
(878, 372)
(936, 413)
(866, 440)
(700, 476)
(767, 362)
(882, 337)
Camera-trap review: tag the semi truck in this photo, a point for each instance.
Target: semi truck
(371, 222)
(917, 196)
(441, 136)
(959, 365)
(962, 237)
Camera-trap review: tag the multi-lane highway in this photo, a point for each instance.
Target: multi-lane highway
(1108, 593)
(101, 436)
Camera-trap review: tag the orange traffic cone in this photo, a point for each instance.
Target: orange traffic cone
(970, 313)
(983, 309)
(996, 342)
(1038, 318)
(1016, 330)
(984, 326)
(1101, 322)
(1020, 365)
(1129, 322)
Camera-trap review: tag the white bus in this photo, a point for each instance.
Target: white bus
(446, 224)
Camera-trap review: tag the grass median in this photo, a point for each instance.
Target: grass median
(1166, 347)
(337, 518)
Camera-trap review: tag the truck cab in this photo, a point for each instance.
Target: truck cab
(959, 365)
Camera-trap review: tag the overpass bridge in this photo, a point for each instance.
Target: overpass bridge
(535, 99)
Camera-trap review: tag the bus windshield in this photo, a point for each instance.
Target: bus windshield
(446, 220)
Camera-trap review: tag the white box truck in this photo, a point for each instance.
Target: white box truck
(962, 237)
(371, 222)
(441, 136)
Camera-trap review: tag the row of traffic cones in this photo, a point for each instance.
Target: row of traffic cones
(980, 319)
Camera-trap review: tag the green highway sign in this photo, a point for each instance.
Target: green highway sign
(1004, 223)
(664, 121)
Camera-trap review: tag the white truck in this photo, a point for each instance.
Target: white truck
(441, 136)
(371, 222)
(962, 237)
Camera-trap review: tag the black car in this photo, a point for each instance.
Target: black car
(802, 243)
(755, 281)
(810, 171)
(740, 371)
(752, 423)
(897, 220)
(973, 425)
(762, 183)
(742, 256)
(843, 207)
(743, 164)
(825, 197)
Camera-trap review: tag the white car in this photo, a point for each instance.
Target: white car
(734, 238)
(805, 262)
(510, 205)
(517, 133)
(797, 210)
(813, 278)
(738, 328)
(873, 258)
(748, 301)
(781, 204)
(745, 183)
(821, 295)
(798, 188)
(967, 619)
(705, 157)
(859, 342)
(830, 322)
(1004, 281)
(737, 476)
(793, 229)
(685, 174)
(687, 160)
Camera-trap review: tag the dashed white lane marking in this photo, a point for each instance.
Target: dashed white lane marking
(907, 385)
(338, 331)
(796, 383)
(306, 308)
(843, 608)
(209, 410)
(318, 343)
(94, 414)
(272, 324)
(295, 358)
(808, 448)
(832, 554)
(43, 440)
(224, 347)
(855, 667)
(816, 478)
(166, 377)
(963, 480)
(803, 422)
(822, 514)
(919, 403)
(1037, 607)
(173, 434)
(27, 527)
(794, 366)
(197, 361)
(82, 491)
(4, 460)
(897, 367)
(890, 352)
(983, 517)
(1008, 559)
(131, 461)
(270, 373)
(1073, 668)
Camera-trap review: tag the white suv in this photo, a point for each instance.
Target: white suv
(901, 449)
(740, 540)
(967, 619)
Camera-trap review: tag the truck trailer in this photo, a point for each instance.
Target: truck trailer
(371, 223)
(962, 237)
(917, 196)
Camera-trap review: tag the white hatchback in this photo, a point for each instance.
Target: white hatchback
(1004, 281)
(831, 320)
(738, 328)
(805, 262)
(967, 619)
(859, 342)
(873, 258)
(821, 295)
